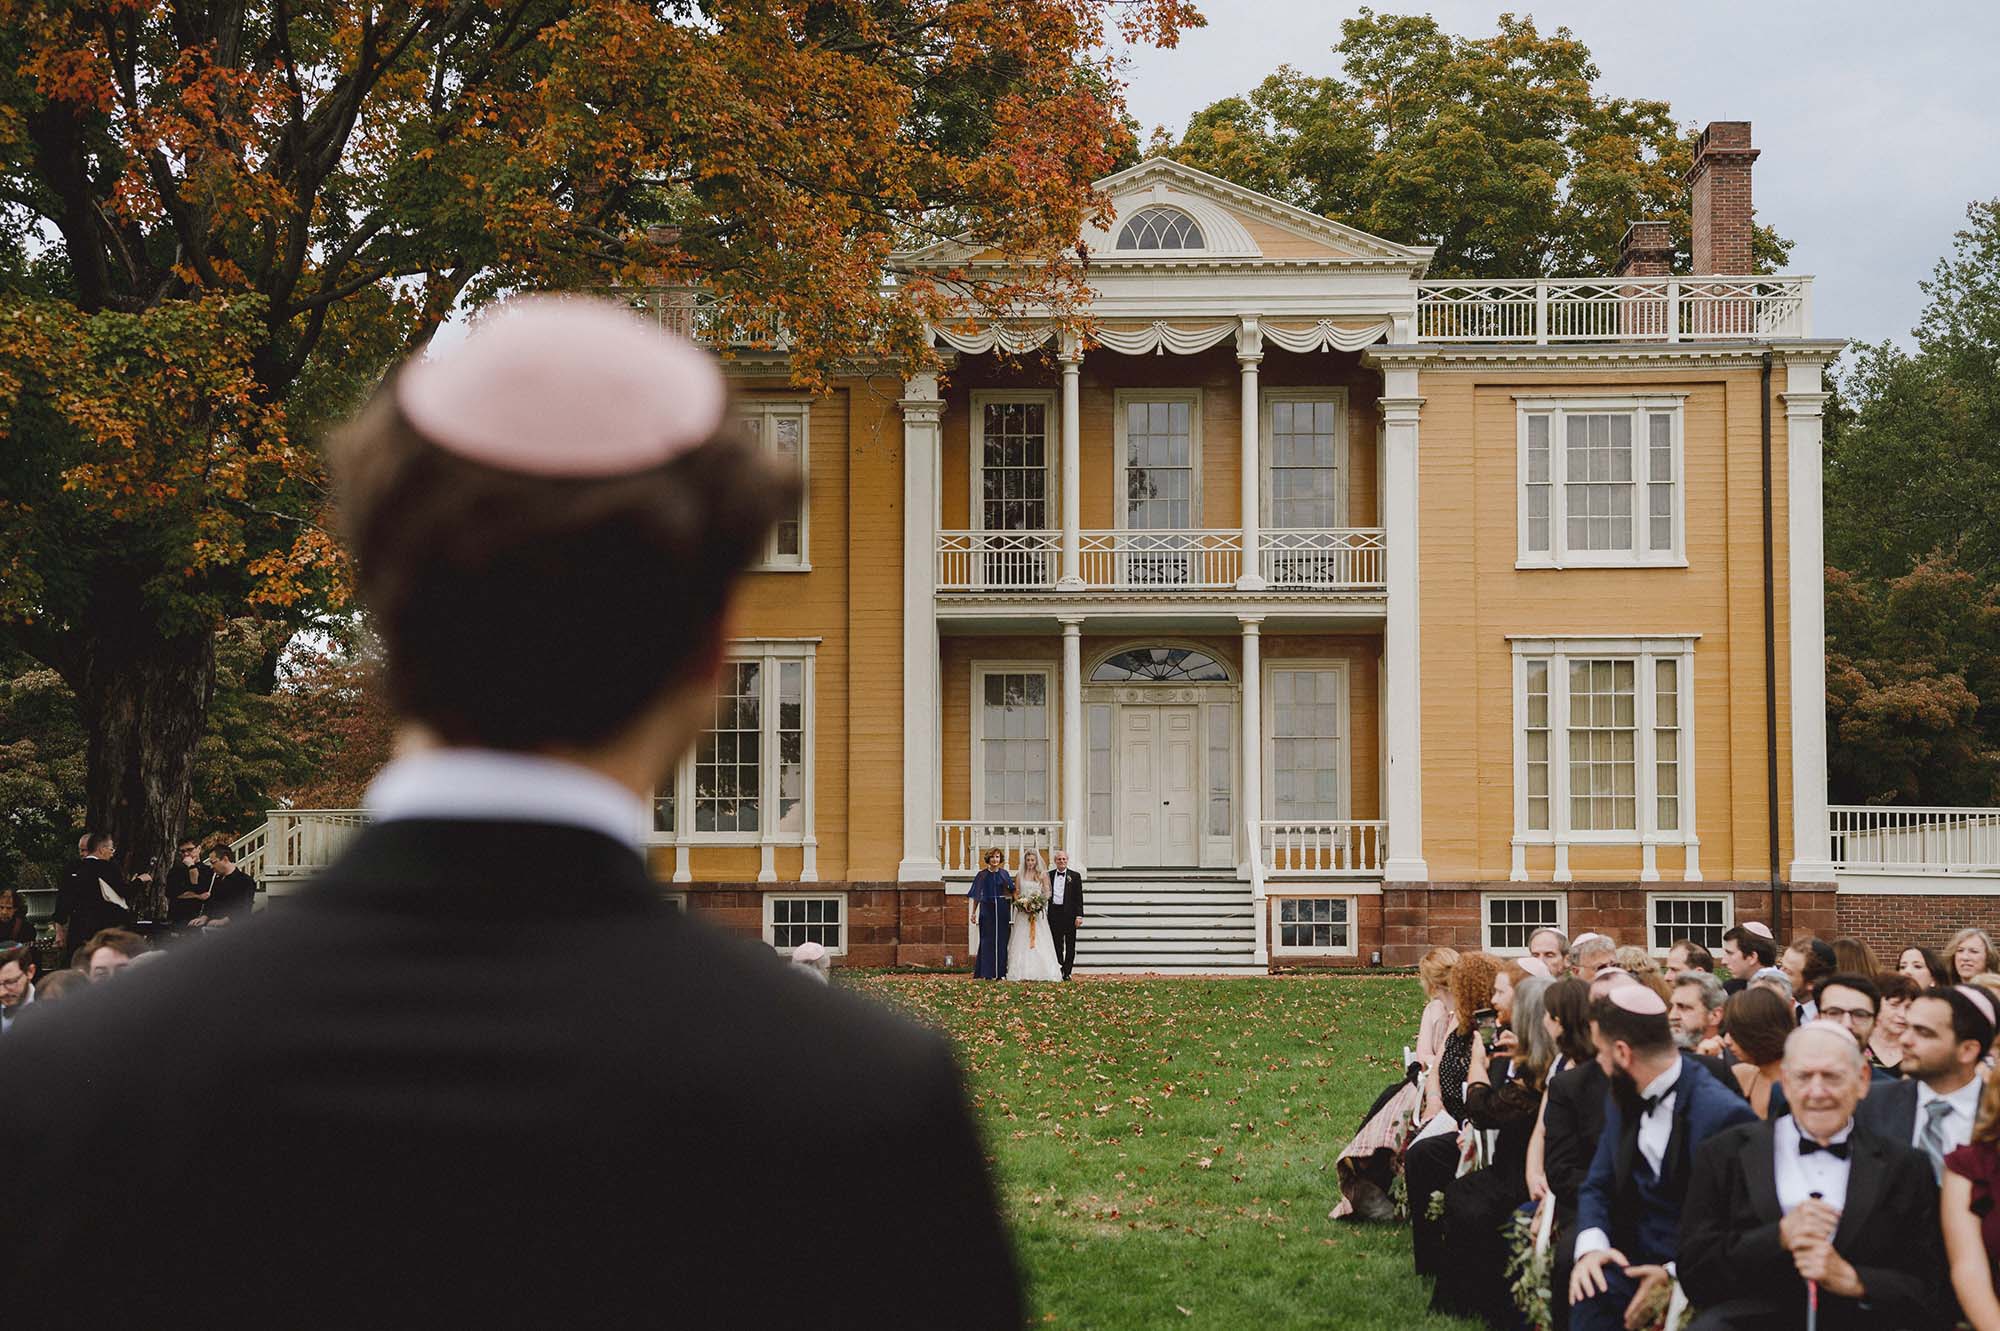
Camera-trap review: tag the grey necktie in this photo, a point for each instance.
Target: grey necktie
(1933, 1140)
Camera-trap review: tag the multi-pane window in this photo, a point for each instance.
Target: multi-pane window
(1600, 482)
(1602, 738)
(1159, 464)
(1701, 920)
(791, 922)
(1218, 770)
(1304, 464)
(1159, 228)
(1315, 924)
(780, 428)
(1512, 920)
(1014, 466)
(1014, 745)
(1305, 744)
(1097, 726)
(749, 775)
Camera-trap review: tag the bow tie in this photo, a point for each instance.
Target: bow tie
(1651, 1102)
(1838, 1150)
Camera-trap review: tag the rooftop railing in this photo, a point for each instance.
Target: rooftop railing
(1613, 309)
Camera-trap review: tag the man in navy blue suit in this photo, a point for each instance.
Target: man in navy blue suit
(1661, 1107)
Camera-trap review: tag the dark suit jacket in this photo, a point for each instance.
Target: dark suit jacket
(1732, 1263)
(1072, 904)
(1890, 1111)
(80, 905)
(1571, 1123)
(619, 1118)
(1611, 1198)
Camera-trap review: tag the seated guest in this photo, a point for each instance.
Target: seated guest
(1746, 949)
(1811, 1196)
(1885, 1046)
(1946, 1033)
(1366, 1169)
(15, 926)
(1852, 957)
(1662, 1108)
(1572, 1116)
(1638, 963)
(1551, 948)
(231, 897)
(1504, 1097)
(1778, 983)
(1924, 966)
(17, 983)
(1590, 953)
(1687, 955)
(55, 985)
(1755, 1025)
(1853, 1001)
(1696, 1008)
(110, 951)
(1805, 963)
(1970, 953)
(1431, 1161)
(1971, 1210)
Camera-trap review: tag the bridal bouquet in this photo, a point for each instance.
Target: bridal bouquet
(1031, 898)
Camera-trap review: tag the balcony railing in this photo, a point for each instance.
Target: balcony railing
(1915, 840)
(1328, 559)
(1345, 848)
(295, 843)
(961, 842)
(1614, 309)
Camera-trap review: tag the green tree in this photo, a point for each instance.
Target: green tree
(1497, 150)
(219, 223)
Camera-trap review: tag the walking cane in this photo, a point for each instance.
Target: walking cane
(1812, 1292)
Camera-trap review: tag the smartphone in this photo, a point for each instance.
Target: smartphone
(1486, 1024)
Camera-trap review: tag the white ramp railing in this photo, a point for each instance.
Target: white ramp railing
(1884, 839)
(961, 843)
(296, 843)
(1341, 848)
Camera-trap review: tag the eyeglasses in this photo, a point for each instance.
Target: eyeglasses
(1848, 1013)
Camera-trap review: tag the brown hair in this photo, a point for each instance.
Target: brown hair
(1852, 957)
(495, 593)
(1987, 1128)
(1472, 986)
(1897, 987)
(1759, 1022)
(57, 983)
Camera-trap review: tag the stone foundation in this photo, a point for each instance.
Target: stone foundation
(1890, 922)
(888, 924)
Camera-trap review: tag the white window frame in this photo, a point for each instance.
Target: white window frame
(1639, 407)
(1114, 252)
(1121, 400)
(771, 900)
(768, 409)
(1653, 899)
(1280, 949)
(1269, 397)
(770, 652)
(1486, 900)
(985, 397)
(1051, 671)
(1268, 712)
(676, 900)
(1645, 652)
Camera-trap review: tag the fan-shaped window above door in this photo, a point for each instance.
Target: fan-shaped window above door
(1159, 665)
(1158, 228)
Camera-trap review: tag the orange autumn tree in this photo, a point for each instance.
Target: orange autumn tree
(220, 223)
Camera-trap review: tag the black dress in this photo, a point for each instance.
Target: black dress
(1472, 1280)
(1429, 1165)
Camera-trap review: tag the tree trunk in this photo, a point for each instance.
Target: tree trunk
(145, 698)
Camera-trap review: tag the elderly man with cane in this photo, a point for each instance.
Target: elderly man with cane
(1811, 1220)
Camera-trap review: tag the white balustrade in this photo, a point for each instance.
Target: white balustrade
(1613, 309)
(295, 843)
(1869, 838)
(1149, 560)
(1324, 559)
(1340, 848)
(998, 561)
(961, 843)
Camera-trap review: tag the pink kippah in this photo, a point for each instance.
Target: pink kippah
(1637, 998)
(1980, 1000)
(563, 386)
(1533, 966)
(1757, 927)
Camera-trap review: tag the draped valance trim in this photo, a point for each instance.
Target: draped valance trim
(1180, 337)
(1324, 334)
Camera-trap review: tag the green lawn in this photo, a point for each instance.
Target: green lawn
(1165, 1148)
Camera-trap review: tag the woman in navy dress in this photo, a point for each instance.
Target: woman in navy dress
(991, 891)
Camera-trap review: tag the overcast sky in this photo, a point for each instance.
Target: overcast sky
(1878, 122)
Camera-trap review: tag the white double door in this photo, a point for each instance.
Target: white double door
(1159, 795)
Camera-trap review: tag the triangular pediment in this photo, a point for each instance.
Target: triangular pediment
(1166, 212)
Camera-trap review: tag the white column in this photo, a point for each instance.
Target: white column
(1805, 575)
(1074, 752)
(922, 412)
(1070, 357)
(1253, 773)
(1402, 700)
(1249, 354)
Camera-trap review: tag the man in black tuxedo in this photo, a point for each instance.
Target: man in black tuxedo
(94, 894)
(1065, 909)
(479, 1074)
(1946, 1033)
(1813, 1196)
(188, 883)
(234, 893)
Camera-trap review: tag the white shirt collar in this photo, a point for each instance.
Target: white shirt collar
(1791, 1134)
(489, 785)
(1662, 1085)
(1964, 1100)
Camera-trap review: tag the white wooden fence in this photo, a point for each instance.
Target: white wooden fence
(1936, 840)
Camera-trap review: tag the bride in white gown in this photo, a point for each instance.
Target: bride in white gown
(1031, 945)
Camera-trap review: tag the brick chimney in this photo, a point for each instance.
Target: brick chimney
(1646, 251)
(1719, 182)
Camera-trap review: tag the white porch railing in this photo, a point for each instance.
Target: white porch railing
(962, 841)
(1150, 560)
(1323, 559)
(1613, 309)
(998, 561)
(1874, 838)
(1347, 848)
(295, 843)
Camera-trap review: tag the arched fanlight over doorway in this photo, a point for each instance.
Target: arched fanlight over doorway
(1159, 665)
